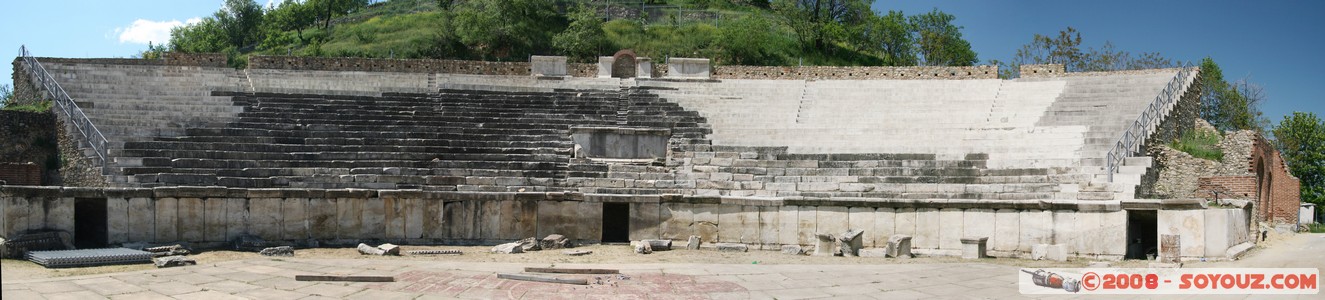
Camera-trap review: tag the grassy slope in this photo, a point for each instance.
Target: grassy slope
(418, 29)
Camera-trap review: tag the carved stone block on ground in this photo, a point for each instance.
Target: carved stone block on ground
(173, 261)
(642, 247)
(555, 241)
(851, 242)
(825, 245)
(530, 244)
(899, 246)
(793, 250)
(874, 252)
(278, 251)
(659, 245)
(508, 248)
(365, 249)
(732, 247)
(974, 247)
(693, 243)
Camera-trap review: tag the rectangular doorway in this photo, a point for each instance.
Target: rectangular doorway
(90, 223)
(616, 222)
(1142, 234)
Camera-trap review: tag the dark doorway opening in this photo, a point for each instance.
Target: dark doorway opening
(616, 222)
(1142, 234)
(90, 223)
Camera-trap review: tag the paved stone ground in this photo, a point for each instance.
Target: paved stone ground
(274, 279)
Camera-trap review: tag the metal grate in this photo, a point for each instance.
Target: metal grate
(89, 257)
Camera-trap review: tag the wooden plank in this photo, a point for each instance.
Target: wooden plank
(571, 271)
(344, 278)
(543, 279)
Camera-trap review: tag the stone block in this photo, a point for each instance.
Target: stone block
(294, 219)
(191, 221)
(349, 218)
(490, 219)
(676, 219)
(434, 226)
(373, 218)
(1170, 248)
(605, 66)
(1189, 225)
(769, 227)
(793, 250)
(693, 242)
(885, 225)
(706, 222)
(862, 218)
(825, 244)
(413, 214)
(321, 216)
(899, 246)
(1007, 230)
(731, 247)
(167, 220)
(928, 228)
(460, 219)
(874, 252)
(1035, 227)
(851, 242)
(951, 228)
(1065, 231)
(507, 248)
(236, 218)
(974, 247)
(643, 67)
(642, 247)
(548, 65)
(555, 241)
(1054, 252)
(117, 221)
(644, 221)
(806, 225)
(690, 68)
(788, 225)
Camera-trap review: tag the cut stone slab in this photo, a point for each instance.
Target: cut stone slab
(851, 242)
(793, 250)
(899, 246)
(693, 243)
(278, 251)
(659, 245)
(974, 247)
(508, 248)
(825, 245)
(1054, 252)
(389, 249)
(732, 247)
(173, 261)
(555, 241)
(365, 249)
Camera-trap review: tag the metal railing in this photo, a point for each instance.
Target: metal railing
(73, 115)
(1136, 135)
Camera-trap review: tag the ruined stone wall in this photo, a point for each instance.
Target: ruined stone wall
(30, 146)
(211, 217)
(1237, 146)
(1179, 172)
(389, 65)
(76, 168)
(25, 90)
(848, 73)
(1228, 187)
(1046, 70)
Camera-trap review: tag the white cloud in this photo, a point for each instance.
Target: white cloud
(145, 31)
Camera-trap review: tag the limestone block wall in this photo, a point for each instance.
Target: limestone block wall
(1206, 233)
(826, 72)
(389, 65)
(214, 216)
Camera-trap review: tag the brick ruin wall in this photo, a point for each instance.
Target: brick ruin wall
(1280, 193)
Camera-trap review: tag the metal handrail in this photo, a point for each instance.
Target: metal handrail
(91, 135)
(1136, 134)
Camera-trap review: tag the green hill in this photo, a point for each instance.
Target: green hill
(748, 32)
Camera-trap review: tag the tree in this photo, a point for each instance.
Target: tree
(501, 29)
(291, 15)
(1301, 140)
(583, 40)
(940, 41)
(890, 36)
(752, 40)
(6, 93)
(1066, 49)
(206, 36)
(241, 20)
(1229, 106)
(820, 23)
(329, 9)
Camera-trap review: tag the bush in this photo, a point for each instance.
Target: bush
(1200, 144)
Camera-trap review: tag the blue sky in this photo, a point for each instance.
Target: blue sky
(1277, 44)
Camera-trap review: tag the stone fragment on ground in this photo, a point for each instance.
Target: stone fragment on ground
(851, 242)
(173, 261)
(555, 241)
(899, 246)
(793, 250)
(530, 244)
(278, 251)
(731, 247)
(825, 245)
(659, 245)
(389, 249)
(508, 248)
(365, 249)
(642, 247)
(693, 243)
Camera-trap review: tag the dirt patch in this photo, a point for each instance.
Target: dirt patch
(602, 254)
